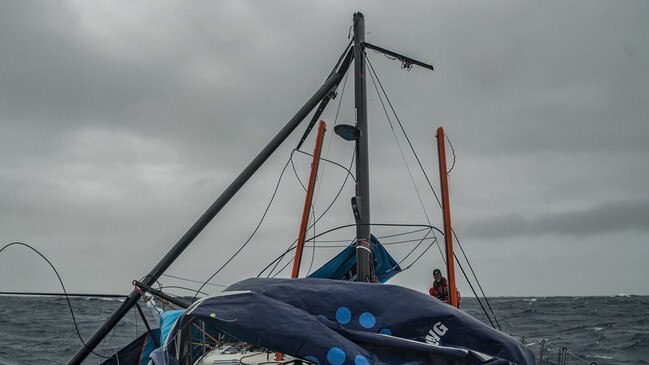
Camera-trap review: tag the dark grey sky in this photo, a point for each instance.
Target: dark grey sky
(121, 122)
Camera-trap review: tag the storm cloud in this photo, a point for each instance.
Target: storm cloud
(121, 122)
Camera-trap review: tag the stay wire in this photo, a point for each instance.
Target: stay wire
(453, 152)
(379, 238)
(311, 205)
(292, 246)
(193, 281)
(420, 255)
(430, 229)
(474, 292)
(65, 292)
(403, 157)
(425, 176)
(270, 202)
(342, 186)
(320, 217)
(349, 171)
(474, 275)
(382, 243)
(405, 134)
(374, 77)
(416, 246)
(324, 168)
(183, 288)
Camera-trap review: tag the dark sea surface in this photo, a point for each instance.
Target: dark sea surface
(604, 330)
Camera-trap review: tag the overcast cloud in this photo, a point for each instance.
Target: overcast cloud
(121, 122)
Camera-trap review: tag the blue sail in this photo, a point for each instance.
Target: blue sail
(338, 322)
(343, 265)
(137, 352)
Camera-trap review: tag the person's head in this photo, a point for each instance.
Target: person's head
(437, 274)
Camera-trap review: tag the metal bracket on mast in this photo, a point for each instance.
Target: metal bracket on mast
(357, 214)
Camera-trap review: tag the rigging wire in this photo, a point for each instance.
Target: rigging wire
(193, 281)
(272, 198)
(74, 320)
(474, 275)
(431, 188)
(452, 151)
(415, 248)
(349, 171)
(420, 255)
(342, 186)
(389, 243)
(340, 60)
(403, 157)
(324, 167)
(292, 246)
(183, 288)
(378, 237)
(340, 102)
(374, 77)
(311, 205)
(474, 293)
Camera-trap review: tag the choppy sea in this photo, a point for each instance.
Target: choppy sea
(601, 330)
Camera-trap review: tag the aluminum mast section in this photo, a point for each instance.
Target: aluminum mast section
(363, 253)
(331, 83)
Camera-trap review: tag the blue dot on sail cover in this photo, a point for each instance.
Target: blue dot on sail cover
(367, 320)
(385, 331)
(336, 356)
(361, 360)
(343, 315)
(312, 359)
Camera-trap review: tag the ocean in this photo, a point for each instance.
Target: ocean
(601, 330)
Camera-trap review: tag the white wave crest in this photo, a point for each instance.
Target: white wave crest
(600, 357)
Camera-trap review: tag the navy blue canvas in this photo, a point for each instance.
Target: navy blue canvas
(337, 322)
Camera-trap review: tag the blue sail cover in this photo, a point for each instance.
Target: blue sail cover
(343, 266)
(338, 322)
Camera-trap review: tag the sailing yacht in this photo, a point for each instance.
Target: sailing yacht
(343, 313)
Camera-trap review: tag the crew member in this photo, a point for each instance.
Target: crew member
(439, 287)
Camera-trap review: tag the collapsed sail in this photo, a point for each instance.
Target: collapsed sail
(137, 352)
(343, 265)
(338, 322)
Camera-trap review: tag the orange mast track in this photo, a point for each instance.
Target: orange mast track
(309, 197)
(322, 127)
(446, 208)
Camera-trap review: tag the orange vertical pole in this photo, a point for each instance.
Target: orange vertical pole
(322, 127)
(307, 201)
(446, 208)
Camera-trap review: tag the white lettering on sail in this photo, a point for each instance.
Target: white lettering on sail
(436, 333)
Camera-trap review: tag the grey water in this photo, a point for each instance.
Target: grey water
(603, 330)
